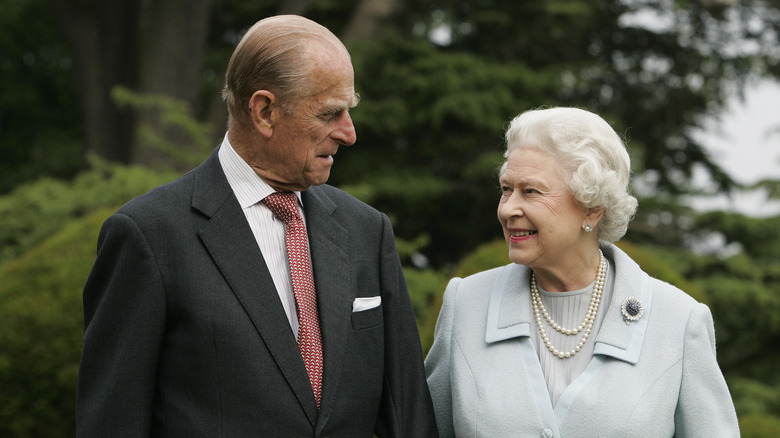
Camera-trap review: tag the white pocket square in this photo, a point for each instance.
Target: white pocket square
(365, 303)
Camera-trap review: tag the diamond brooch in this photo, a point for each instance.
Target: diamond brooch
(632, 309)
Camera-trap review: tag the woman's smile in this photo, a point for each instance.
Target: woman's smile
(521, 235)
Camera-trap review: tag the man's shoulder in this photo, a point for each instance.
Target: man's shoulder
(327, 194)
(336, 194)
(171, 195)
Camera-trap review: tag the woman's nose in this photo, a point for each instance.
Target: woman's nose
(510, 207)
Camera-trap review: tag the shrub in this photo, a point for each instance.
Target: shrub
(34, 211)
(425, 288)
(757, 426)
(40, 331)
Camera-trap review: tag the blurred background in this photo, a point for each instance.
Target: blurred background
(102, 100)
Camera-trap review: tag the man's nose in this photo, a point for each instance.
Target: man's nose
(345, 134)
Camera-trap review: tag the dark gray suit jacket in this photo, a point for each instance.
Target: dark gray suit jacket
(185, 335)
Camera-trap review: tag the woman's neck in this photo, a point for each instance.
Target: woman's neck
(577, 272)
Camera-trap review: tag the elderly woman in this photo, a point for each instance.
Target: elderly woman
(572, 339)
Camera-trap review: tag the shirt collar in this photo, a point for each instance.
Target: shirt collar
(247, 185)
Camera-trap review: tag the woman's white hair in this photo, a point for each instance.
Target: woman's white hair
(592, 156)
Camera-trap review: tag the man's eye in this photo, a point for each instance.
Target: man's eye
(332, 115)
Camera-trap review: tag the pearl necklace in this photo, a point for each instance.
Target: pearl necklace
(587, 324)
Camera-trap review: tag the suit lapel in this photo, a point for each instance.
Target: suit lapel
(232, 246)
(330, 261)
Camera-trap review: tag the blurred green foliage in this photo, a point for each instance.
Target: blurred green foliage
(489, 255)
(759, 426)
(195, 139)
(35, 210)
(40, 331)
(435, 169)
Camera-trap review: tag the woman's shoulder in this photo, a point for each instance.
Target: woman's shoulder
(671, 298)
(467, 300)
(486, 278)
(632, 275)
(479, 286)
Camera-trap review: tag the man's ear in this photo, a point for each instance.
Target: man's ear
(263, 111)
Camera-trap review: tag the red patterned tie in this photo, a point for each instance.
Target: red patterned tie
(285, 206)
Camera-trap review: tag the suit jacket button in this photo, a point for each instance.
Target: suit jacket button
(547, 433)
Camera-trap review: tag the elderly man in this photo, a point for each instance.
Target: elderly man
(247, 298)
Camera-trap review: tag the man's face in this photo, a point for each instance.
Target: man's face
(309, 132)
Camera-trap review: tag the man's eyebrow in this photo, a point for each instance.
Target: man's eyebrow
(355, 100)
(336, 106)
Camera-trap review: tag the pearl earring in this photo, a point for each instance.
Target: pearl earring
(587, 228)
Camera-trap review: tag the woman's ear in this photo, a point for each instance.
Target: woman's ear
(262, 110)
(594, 215)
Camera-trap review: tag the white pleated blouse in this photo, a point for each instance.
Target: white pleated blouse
(568, 309)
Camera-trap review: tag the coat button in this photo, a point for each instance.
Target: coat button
(547, 433)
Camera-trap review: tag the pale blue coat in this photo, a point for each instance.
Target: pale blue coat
(657, 377)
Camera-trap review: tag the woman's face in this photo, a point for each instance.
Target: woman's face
(542, 221)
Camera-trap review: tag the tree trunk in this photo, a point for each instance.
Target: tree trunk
(366, 21)
(295, 7)
(173, 47)
(103, 40)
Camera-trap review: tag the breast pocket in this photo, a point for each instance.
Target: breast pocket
(367, 319)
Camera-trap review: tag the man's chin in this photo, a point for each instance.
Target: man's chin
(317, 178)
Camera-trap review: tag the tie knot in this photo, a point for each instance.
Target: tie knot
(284, 205)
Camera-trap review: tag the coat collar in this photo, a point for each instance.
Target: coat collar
(510, 314)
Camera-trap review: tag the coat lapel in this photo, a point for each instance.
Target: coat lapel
(616, 338)
(510, 316)
(330, 261)
(232, 246)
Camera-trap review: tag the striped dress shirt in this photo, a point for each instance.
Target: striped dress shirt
(268, 230)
